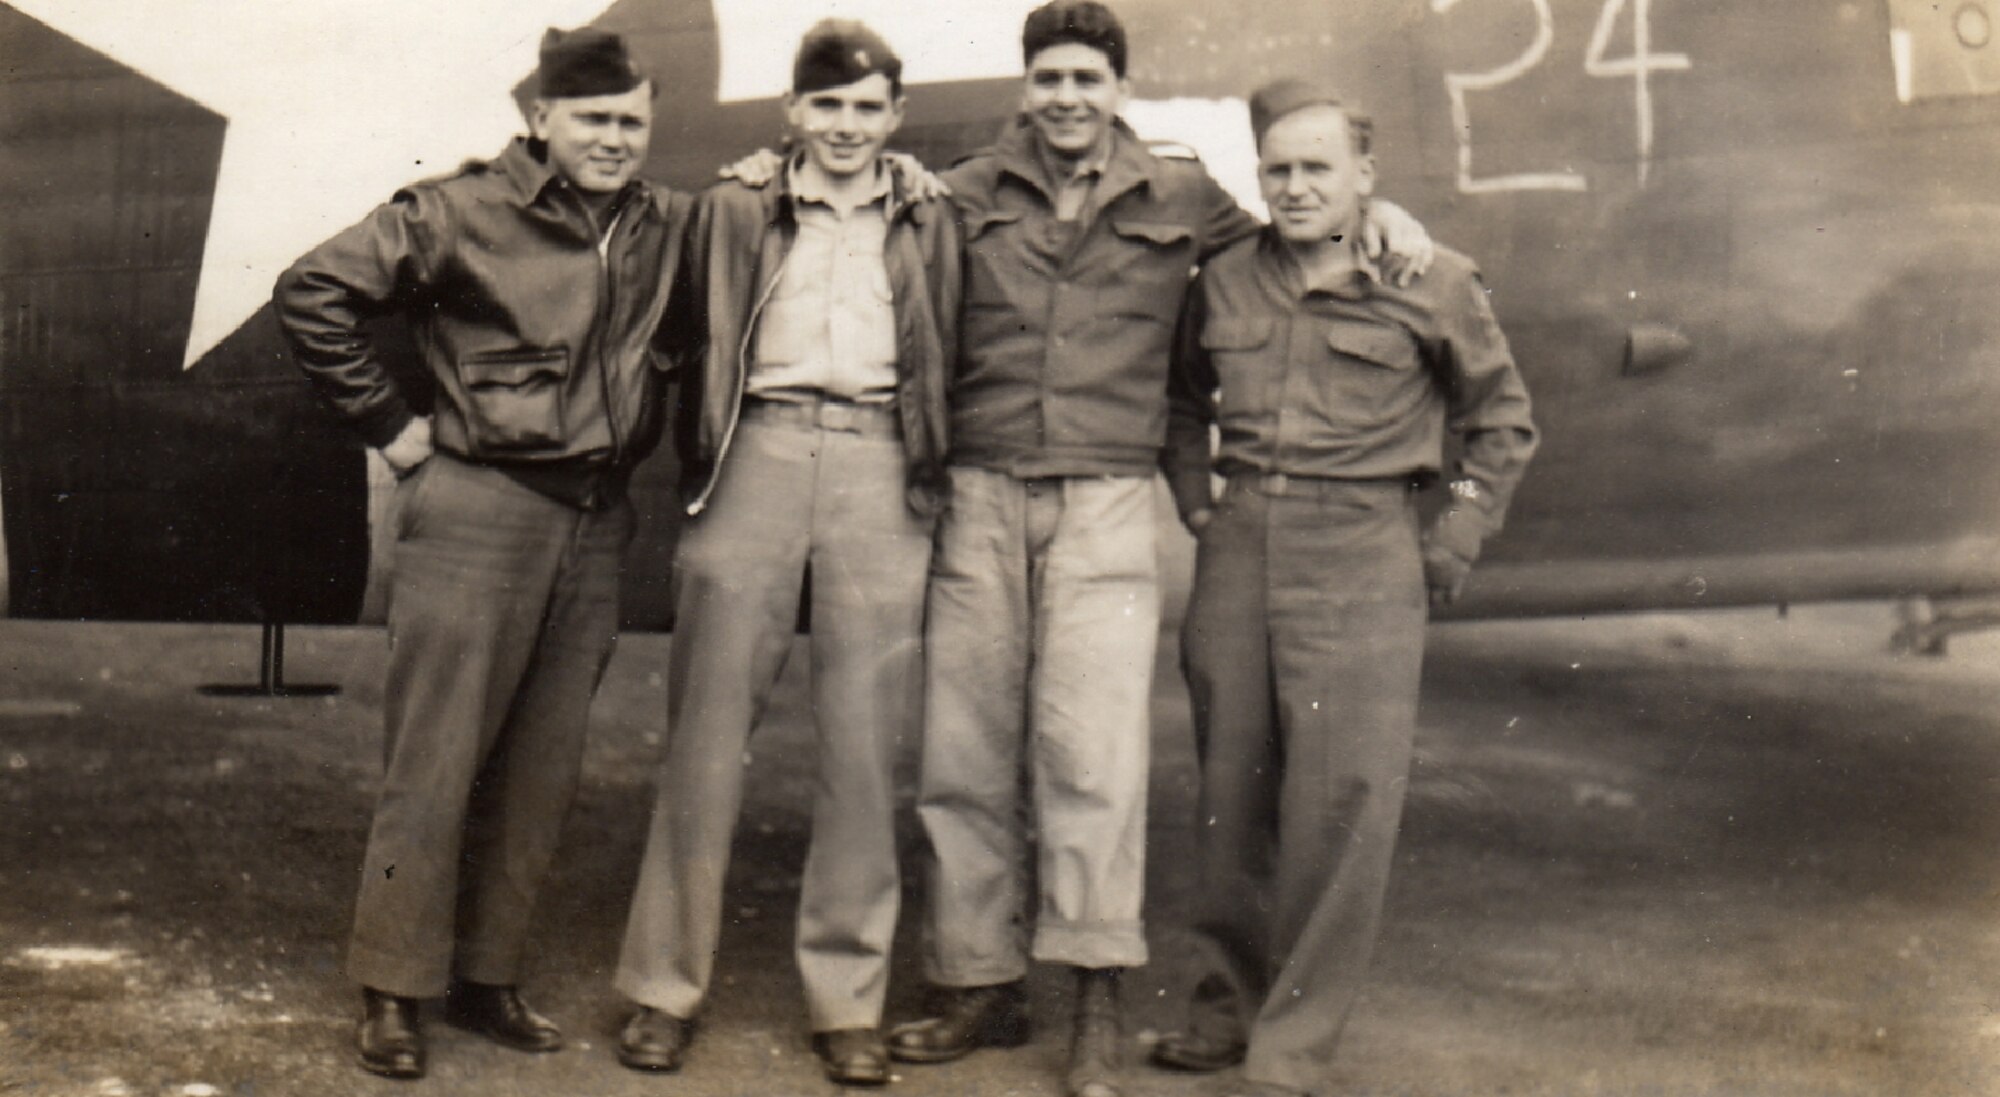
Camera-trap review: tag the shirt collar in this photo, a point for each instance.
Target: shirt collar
(1125, 162)
(804, 186)
(1084, 171)
(1357, 282)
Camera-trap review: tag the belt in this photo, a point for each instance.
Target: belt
(1280, 483)
(820, 412)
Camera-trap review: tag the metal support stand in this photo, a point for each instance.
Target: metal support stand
(1929, 623)
(270, 673)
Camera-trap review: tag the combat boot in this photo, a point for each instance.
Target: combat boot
(1094, 1042)
(963, 1020)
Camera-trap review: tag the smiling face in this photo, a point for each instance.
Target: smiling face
(1073, 95)
(597, 143)
(1312, 176)
(845, 127)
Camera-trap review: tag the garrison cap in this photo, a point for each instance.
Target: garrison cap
(837, 52)
(586, 62)
(1288, 94)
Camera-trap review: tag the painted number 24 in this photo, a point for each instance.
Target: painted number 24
(1639, 65)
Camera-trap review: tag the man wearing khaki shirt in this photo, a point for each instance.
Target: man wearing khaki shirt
(1304, 637)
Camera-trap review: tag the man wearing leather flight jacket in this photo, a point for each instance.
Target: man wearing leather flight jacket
(537, 286)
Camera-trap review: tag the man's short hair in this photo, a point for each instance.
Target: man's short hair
(1085, 22)
(1288, 95)
(837, 52)
(585, 63)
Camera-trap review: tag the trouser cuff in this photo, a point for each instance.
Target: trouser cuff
(669, 998)
(1093, 944)
(962, 976)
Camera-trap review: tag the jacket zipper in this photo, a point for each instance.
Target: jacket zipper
(742, 382)
(603, 250)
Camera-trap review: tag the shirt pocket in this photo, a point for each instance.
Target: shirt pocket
(1239, 347)
(1371, 373)
(876, 283)
(514, 399)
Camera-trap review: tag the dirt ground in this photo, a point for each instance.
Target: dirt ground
(1727, 853)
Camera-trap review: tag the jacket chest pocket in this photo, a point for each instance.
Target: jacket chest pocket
(1369, 370)
(1239, 347)
(1147, 275)
(993, 258)
(514, 399)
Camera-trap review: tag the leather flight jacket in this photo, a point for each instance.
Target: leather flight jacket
(547, 343)
(738, 243)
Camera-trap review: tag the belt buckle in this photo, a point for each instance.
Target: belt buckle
(1276, 483)
(836, 415)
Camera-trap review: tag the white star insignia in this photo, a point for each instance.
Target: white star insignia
(331, 105)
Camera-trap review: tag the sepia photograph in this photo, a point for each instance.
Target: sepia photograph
(709, 547)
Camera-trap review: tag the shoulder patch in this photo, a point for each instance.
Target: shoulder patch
(1172, 150)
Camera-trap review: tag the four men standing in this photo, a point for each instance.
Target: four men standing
(842, 344)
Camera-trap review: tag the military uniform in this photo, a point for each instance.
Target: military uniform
(811, 432)
(1043, 608)
(1304, 636)
(504, 596)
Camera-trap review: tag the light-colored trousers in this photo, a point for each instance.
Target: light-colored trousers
(820, 486)
(1044, 617)
(502, 613)
(1304, 645)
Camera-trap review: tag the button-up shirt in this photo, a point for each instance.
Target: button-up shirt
(1073, 191)
(1355, 379)
(830, 324)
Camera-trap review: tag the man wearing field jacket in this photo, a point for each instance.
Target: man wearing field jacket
(812, 436)
(1044, 601)
(536, 286)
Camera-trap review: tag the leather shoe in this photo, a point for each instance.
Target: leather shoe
(966, 1019)
(499, 1014)
(1197, 1054)
(853, 1056)
(389, 1038)
(654, 1040)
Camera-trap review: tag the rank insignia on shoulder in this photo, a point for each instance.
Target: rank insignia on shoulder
(1172, 150)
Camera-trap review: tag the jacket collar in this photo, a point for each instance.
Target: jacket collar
(1127, 166)
(534, 182)
(529, 174)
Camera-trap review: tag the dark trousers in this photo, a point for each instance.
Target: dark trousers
(503, 609)
(1303, 646)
